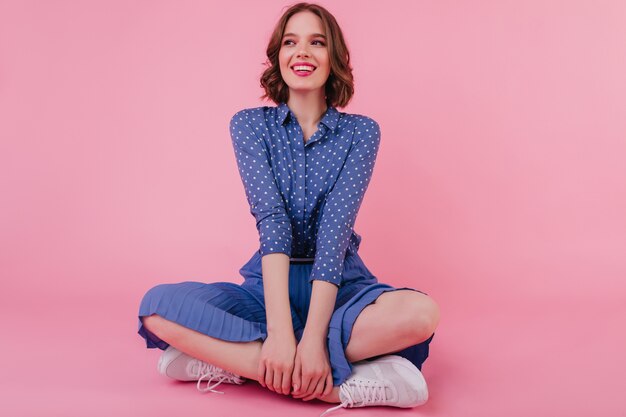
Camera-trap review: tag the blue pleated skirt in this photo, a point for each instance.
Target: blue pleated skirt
(236, 312)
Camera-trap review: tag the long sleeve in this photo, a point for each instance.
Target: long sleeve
(343, 202)
(266, 203)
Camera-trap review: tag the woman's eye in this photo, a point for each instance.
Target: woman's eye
(289, 40)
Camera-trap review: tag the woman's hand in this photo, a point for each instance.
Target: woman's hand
(277, 361)
(312, 376)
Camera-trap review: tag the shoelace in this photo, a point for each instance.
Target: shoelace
(369, 391)
(203, 370)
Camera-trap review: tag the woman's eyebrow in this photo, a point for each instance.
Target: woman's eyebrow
(313, 35)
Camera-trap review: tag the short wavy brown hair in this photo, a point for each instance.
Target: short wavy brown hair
(340, 84)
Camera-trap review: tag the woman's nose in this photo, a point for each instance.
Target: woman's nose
(302, 52)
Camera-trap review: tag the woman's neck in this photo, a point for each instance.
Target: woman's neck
(308, 109)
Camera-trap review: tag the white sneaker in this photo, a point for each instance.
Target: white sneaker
(390, 380)
(178, 365)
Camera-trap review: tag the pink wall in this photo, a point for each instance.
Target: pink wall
(500, 187)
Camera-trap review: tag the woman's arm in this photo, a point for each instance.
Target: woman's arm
(321, 309)
(275, 267)
(343, 201)
(265, 200)
(279, 348)
(275, 237)
(272, 220)
(312, 376)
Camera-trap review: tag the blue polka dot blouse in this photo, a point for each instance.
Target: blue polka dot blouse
(305, 196)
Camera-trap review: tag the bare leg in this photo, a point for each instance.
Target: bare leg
(241, 358)
(394, 321)
(382, 327)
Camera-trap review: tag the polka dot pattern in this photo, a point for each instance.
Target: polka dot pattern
(305, 195)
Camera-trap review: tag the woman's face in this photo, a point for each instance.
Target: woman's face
(304, 42)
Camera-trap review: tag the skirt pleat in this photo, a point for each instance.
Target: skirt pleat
(222, 310)
(236, 312)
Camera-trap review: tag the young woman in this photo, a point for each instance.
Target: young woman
(309, 320)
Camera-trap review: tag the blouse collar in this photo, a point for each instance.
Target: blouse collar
(330, 117)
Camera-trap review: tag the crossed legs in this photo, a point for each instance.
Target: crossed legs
(396, 320)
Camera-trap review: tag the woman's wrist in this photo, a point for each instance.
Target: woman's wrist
(283, 330)
(315, 333)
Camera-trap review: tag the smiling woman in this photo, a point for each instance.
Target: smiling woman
(316, 28)
(310, 319)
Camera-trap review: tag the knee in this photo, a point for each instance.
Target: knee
(152, 322)
(421, 317)
(163, 328)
